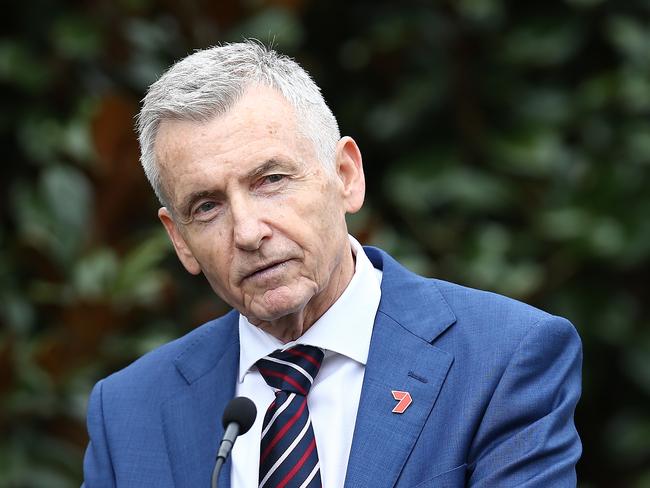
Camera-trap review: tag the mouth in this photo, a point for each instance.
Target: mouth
(266, 270)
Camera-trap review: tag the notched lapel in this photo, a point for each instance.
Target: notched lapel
(383, 440)
(192, 418)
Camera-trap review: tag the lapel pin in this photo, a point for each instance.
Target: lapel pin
(403, 400)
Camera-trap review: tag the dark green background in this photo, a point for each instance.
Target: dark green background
(506, 147)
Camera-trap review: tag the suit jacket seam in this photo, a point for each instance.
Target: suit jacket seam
(401, 325)
(100, 384)
(202, 334)
(217, 363)
(380, 311)
(534, 325)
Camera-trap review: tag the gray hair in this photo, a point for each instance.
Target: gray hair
(207, 83)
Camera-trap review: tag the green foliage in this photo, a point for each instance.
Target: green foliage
(506, 147)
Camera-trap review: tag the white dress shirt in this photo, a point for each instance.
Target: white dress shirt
(343, 333)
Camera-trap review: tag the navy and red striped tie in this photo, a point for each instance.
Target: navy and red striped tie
(288, 454)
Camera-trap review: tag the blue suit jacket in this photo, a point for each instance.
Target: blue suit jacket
(494, 384)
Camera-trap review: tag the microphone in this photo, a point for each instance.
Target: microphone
(238, 417)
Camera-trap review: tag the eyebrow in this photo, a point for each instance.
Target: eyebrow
(186, 207)
(272, 164)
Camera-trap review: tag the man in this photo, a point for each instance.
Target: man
(413, 381)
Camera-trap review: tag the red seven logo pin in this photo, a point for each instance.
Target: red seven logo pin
(403, 400)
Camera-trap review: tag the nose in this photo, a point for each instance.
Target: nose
(249, 226)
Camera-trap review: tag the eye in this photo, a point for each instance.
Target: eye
(274, 178)
(205, 210)
(205, 207)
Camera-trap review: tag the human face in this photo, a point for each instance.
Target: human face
(253, 209)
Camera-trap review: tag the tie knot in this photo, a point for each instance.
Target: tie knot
(292, 370)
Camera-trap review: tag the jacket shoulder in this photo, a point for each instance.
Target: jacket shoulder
(489, 323)
(454, 315)
(487, 305)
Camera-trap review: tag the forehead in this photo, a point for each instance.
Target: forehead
(261, 125)
(260, 113)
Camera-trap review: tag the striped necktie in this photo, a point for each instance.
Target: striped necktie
(288, 454)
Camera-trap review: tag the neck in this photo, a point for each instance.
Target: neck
(292, 326)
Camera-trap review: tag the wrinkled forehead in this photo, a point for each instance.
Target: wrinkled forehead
(261, 124)
(259, 109)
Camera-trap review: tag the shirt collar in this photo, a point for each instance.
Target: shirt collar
(345, 328)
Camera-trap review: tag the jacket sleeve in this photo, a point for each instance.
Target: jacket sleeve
(98, 468)
(527, 436)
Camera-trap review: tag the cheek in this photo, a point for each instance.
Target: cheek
(214, 257)
(320, 213)
(324, 232)
(219, 279)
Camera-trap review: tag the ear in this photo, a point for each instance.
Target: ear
(349, 168)
(182, 249)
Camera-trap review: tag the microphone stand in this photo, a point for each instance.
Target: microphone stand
(232, 431)
(238, 417)
(215, 472)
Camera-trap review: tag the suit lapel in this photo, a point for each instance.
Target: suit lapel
(192, 418)
(401, 358)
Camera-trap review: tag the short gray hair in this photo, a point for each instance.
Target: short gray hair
(207, 83)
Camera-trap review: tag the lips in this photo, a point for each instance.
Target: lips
(260, 269)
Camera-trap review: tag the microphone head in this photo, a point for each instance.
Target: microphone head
(242, 411)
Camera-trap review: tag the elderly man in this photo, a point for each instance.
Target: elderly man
(364, 374)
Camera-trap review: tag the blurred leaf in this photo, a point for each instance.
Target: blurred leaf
(40, 138)
(16, 311)
(638, 143)
(140, 280)
(149, 41)
(616, 319)
(565, 223)
(643, 481)
(54, 217)
(533, 153)
(596, 92)
(21, 67)
(422, 188)
(67, 195)
(607, 237)
(272, 25)
(545, 105)
(634, 90)
(354, 54)
(585, 3)
(94, 276)
(76, 140)
(628, 436)
(637, 363)
(631, 38)
(401, 114)
(386, 121)
(53, 467)
(542, 43)
(597, 133)
(489, 266)
(488, 12)
(391, 31)
(76, 38)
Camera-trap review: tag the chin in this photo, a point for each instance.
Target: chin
(270, 314)
(277, 306)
